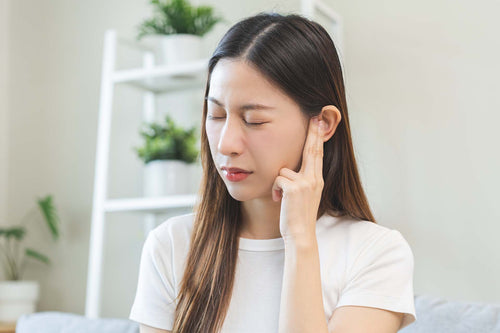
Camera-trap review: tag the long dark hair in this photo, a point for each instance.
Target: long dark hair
(297, 55)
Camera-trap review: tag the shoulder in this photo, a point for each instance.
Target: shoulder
(350, 229)
(175, 224)
(373, 266)
(355, 237)
(175, 230)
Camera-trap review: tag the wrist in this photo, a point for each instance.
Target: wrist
(304, 241)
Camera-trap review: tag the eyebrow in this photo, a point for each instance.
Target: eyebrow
(245, 107)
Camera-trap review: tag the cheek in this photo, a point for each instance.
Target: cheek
(278, 148)
(266, 142)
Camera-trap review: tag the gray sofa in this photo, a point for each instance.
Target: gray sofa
(434, 315)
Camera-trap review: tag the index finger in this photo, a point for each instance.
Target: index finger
(311, 149)
(319, 155)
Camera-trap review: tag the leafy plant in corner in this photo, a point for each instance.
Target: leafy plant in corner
(14, 262)
(168, 142)
(178, 17)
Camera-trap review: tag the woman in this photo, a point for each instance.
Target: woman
(288, 242)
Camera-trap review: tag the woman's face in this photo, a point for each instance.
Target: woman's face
(237, 139)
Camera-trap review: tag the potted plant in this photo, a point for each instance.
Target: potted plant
(176, 29)
(169, 153)
(17, 296)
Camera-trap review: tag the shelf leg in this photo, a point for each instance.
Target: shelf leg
(148, 115)
(97, 230)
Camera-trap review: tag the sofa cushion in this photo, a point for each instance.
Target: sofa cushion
(62, 322)
(435, 314)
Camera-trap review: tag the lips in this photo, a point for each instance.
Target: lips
(235, 170)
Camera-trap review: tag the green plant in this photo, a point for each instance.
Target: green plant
(178, 17)
(168, 142)
(14, 265)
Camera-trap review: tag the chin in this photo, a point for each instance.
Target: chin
(247, 194)
(239, 195)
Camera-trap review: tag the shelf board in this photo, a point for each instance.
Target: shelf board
(7, 327)
(153, 204)
(165, 78)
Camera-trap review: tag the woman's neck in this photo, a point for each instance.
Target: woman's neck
(260, 219)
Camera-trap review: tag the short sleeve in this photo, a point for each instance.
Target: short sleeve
(154, 303)
(382, 277)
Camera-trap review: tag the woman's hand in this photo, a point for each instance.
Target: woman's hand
(300, 193)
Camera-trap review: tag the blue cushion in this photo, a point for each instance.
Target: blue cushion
(62, 322)
(438, 315)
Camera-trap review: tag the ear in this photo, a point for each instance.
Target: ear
(331, 117)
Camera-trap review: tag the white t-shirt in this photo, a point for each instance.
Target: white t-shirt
(361, 263)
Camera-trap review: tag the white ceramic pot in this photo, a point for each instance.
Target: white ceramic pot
(17, 298)
(196, 174)
(167, 177)
(175, 49)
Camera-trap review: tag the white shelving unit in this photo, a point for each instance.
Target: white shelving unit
(153, 80)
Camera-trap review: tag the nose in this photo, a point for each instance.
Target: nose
(230, 142)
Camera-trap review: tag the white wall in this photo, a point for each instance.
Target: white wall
(4, 113)
(423, 84)
(421, 81)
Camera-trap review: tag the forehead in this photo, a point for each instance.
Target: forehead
(237, 81)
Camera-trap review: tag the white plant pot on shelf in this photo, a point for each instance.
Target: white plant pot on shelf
(175, 49)
(17, 298)
(167, 177)
(196, 175)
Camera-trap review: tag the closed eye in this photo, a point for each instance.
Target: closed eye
(250, 124)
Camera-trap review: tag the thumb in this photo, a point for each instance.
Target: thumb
(277, 194)
(277, 190)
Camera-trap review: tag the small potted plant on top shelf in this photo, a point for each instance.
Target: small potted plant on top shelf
(170, 155)
(176, 29)
(17, 296)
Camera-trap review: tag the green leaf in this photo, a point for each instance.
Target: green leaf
(14, 232)
(177, 17)
(168, 142)
(49, 212)
(37, 255)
